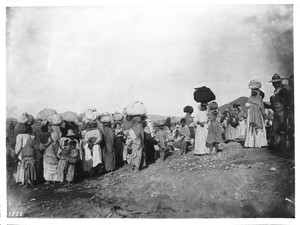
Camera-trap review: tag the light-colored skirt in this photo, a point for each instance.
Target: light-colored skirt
(200, 140)
(255, 137)
(50, 172)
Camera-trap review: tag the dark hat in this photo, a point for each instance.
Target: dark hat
(276, 78)
(70, 133)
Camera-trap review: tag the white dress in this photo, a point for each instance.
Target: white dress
(97, 153)
(201, 134)
(255, 138)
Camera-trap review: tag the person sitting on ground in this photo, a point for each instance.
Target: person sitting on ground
(183, 138)
(214, 136)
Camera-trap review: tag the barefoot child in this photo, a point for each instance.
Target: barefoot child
(215, 130)
(71, 159)
(62, 154)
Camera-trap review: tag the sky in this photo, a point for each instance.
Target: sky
(104, 57)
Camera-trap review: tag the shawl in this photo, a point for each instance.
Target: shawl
(255, 111)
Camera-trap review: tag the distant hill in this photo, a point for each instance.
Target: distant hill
(155, 118)
(240, 100)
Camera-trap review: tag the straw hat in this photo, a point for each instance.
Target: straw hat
(70, 133)
(276, 78)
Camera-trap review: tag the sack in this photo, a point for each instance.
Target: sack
(134, 109)
(254, 84)
(91, 114)
(70, 117)
(45, 113)
(118, 116)
(213, 106)
(55, 119)
(105, 118)
(188, 109)
(203, 95)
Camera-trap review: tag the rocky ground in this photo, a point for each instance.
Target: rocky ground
(235, 183)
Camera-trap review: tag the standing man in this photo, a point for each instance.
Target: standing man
(279, 104)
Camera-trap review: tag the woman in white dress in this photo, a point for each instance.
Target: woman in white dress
(201, 120)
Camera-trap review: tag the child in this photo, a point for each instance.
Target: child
(28, 161)
(71, 161)
(215, 130)
(62, 154)
(162, 136)
(183, 137)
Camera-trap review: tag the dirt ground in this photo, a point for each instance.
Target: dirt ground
(235, 183)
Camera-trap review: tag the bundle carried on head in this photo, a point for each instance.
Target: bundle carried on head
(254, 84)
(213, 106)
(70, 117)
(188, 109)
(118, 116)
(91, 114)
(56, 119)
(26, 118)
(106, 118)
(203, 94)
(135, 109)
(45, 113)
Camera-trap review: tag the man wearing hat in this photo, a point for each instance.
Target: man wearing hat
(279, 104)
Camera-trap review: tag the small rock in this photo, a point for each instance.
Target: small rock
(273, 169)
(227, 168)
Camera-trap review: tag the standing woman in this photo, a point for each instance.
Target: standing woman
(136, 134)
(50, 159)
(201, 120)
(21, 141)
(255, 129)
(108, 146)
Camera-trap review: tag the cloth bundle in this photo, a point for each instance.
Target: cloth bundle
(55, 119)
(45, 113)
(91, 114)
(135, 108)
(70, 117)
(105, 118)
(118, 116)
(254, 84)
(25, 118)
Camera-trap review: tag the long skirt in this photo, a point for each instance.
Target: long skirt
(90, 160)
(50, 172)
(29, 169)
(70, 172)
(231, 132)
(200, 140)
(241, 129)
(19, 175)
(137, 151)
(255, 137)
(119, 151)
(61, 168)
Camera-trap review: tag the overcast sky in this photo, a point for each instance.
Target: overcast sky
(75, 58)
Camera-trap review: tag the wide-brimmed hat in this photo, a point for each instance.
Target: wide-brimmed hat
(276, 78)
(70, 133)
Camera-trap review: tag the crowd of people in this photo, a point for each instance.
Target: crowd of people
(64, 152)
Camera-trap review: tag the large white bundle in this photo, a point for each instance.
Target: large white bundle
(118, 116)
(254, 84)
(135, 108)
(45, 113)
(70, 117)
(55, 119)
(105, 118)
(91, 114)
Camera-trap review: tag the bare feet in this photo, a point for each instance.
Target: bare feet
(47, 182)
